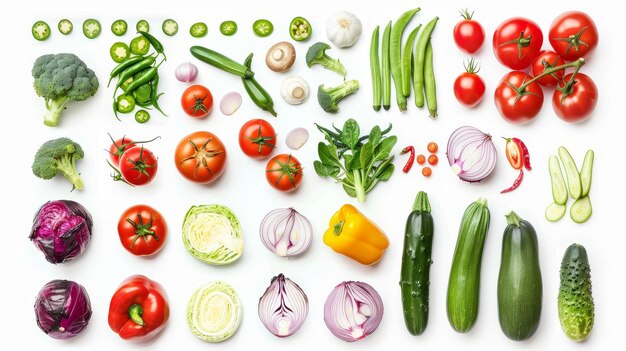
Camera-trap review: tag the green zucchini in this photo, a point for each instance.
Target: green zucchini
(559, 189)
(573, 177)
(519, 280)
(575, 301)
(220, 61)
(585, 172)
(464, 283)
(416, 261)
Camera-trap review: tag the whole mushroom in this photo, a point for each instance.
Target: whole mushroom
(280, 57)
(294, 90)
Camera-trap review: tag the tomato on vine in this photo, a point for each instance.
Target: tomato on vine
(138, 165)
(573, 35)
(516, 42)
(547, 59)
(575, 99)
(119, 146)
(518, 98)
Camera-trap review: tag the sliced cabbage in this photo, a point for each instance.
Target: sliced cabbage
(214, 312)
(212, 234)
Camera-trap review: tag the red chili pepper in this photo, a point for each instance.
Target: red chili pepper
(516, 184)
(139, 309)
(525, 153)
(409, 162)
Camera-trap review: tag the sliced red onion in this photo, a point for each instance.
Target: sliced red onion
(186, 72)
(471, 154)
(283, 307)
(286, 232)
(353, 310)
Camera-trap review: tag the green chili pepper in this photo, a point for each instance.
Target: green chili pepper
(154, 96)
(145, 78)
(136, 68)
(122, 66)
(156, 44)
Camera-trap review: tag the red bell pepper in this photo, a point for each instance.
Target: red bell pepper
(139, 309)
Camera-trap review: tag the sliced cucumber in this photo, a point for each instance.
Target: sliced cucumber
(555, 211)
(170, 27)
(581, 210)
(143, 26)
(573, 177)
(119, 27)
(559, 189)
(65, 26)
(585, 172)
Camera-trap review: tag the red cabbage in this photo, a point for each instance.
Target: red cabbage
(61, 230)
(62, 309)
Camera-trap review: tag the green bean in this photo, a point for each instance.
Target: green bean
(407, 55)
(418, 63)
(154, 96)
(395, 54)
(375, 68)
(259, 96)
(156, 44)
(386, 68)
(122, 66)
(430, 89)
(144, 79)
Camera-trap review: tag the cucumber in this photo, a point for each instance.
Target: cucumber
(519, 280)
(464, 283)
(573, 177)
(555, 211)
(559, 189)
(581, 210)
(585, 172)
(416, 261)
(575, 301)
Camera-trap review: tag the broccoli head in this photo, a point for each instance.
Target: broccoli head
(317, 55)
(59, 156)
(59, 79)
(328, 98)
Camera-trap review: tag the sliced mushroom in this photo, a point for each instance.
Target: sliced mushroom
(280, 57)
(294, 90)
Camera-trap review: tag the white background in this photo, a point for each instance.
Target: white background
(244, 189)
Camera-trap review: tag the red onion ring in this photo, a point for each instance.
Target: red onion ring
(286, 232)
(283, 308)
(471, 154)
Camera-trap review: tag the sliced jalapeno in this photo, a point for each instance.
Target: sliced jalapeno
(263, 28)
(300, 29)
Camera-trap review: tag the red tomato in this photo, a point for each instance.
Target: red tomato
(547, 59)
(257, 138)
(117, 148)
(142, 230)
(138, 165)
(469, 88)
(575, 103)
(469, 35)
(197, 101)
(200, 157)
(284, 172)
(573, 35)
(518, 107)
(516, 42)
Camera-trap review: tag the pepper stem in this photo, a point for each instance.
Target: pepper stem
(134, 312)
(338, 227)
(421, 203)
(513, 219)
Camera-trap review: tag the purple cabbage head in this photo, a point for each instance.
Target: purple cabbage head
(62, 309)
(61, 230)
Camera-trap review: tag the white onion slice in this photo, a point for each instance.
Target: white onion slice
(230, 103)
(297, 138)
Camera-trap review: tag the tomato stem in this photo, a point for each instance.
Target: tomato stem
(471, 66)
(521, 43)
(576, 64)
(574, 40)
(288, 168)
(466, 14)
(142, 230)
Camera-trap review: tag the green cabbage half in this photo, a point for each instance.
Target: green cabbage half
(214, 312)
(212, 233)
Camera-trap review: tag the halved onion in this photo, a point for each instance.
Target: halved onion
(471, 154)
(283, 307)
(286, 232)
(214, 312)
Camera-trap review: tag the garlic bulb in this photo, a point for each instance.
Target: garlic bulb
(343, 29)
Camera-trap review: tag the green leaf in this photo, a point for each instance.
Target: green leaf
(350, 191)
(355, 162)
(347, 159)
(350, 133)
(326, 155)
(375, 136)
(324, 170)
(384, 148)
(387, 172)
(367, 155)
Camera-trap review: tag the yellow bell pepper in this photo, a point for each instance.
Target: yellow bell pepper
(352, 234)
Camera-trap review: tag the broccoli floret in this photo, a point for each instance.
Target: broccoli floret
(59, 79)
(59, 156)
(317, 55)
(328, 98)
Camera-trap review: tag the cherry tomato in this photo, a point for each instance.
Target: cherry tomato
(469, 88)
(433, 160)
(257, 138)
(469, 35)
(142, 230)
(573, 35)
(518, 107)
(575, 103)
(421, 159)
(516, 42)
(200, 157)
(138, 165)
(432, 147)
(284, 172)
(197, 101)
(547, 59)
(427, 172)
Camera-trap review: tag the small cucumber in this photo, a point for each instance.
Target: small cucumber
(585, 172)
(573, 177)
(559, 189)
(555, 211)
(575, 300)
(581, 210)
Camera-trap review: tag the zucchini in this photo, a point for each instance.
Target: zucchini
(585, 172)
(555, 212)
(220, 61)
(573, 177)
(464, 283)
(581, 210)
(519, 280)
(416, 261)
(575, 301)
(559, 189)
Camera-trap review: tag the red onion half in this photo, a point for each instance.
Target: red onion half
(286, 232)
(283, 307)
(353, 310)
(471, 154)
